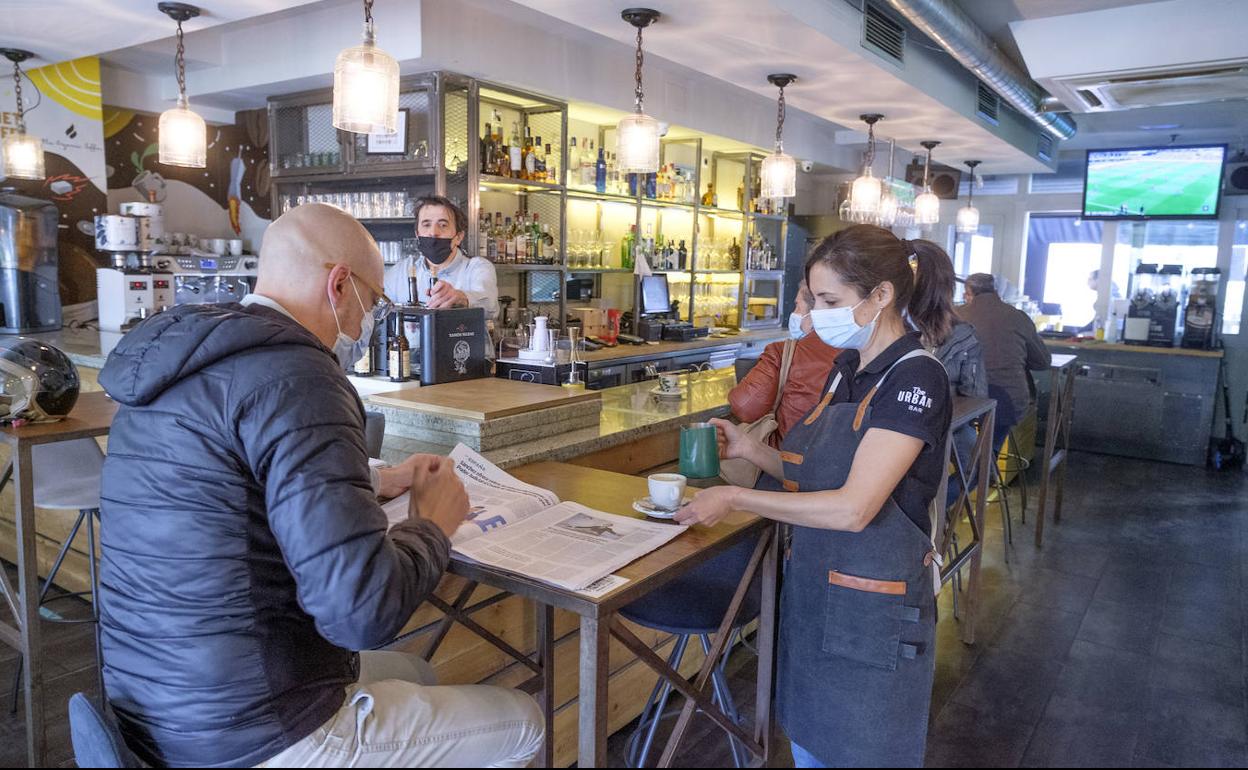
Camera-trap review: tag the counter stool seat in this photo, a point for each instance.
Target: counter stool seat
(693, 605)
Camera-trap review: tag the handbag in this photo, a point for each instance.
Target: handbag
(743, 473)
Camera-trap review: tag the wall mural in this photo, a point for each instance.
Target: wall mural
(65, 110)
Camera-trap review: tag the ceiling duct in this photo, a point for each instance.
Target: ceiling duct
(954, 31)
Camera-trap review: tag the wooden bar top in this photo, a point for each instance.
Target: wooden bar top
(488, 398)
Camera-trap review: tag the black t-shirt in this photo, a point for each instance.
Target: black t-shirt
(914, 401)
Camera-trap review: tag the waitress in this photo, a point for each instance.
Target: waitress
(444, 276)
(857, 630)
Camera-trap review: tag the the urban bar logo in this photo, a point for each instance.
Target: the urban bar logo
(916, 398)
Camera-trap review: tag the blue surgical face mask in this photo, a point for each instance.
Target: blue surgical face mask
(795, 325)
(346, 349)
(838, 329)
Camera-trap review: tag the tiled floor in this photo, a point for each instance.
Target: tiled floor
(1120, 643)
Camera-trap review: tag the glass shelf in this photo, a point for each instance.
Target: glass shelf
(518, 185)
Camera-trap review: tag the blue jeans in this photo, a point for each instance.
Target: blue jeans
(803, 758)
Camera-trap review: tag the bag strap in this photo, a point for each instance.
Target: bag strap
(786, 363)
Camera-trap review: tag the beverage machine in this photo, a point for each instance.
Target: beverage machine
(131, 288)
(201, 278)
(30, 297)
(1157, 292)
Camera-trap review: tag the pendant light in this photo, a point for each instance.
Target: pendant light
(637, 135)
(183, 133)
(968, 215)
(779, 171)
(366, 85)
(927, 205)
(23, 153)
(865, 193)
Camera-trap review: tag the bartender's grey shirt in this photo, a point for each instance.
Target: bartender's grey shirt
(475, 277)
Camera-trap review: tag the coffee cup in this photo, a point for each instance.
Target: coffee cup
(699, 451)
(669, 382)
(218, 246)
(236, 247)
(667, 490)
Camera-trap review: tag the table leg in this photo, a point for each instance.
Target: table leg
(1066, 420)
(546, 659)
(766, 643)
(28, 591)
(1050, 445)
(595, 668)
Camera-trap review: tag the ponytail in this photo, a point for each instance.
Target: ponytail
(931, 305)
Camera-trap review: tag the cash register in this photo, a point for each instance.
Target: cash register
(657, 321)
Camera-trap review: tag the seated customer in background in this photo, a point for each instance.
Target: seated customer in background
(244, 555)
(1012, 347)
(753, 398)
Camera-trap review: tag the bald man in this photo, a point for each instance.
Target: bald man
(244, 556)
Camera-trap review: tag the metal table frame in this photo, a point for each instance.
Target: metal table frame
(1056, 432)
(600, 621)
(970, 555)
(91, 418)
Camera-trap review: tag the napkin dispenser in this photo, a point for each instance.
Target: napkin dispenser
(450, 345)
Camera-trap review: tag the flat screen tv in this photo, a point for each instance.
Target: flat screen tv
(1154, 182)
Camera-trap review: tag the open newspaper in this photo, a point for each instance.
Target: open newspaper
(526, 529)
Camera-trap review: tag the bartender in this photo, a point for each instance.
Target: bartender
(442, 275)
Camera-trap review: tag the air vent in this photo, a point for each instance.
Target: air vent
(1156, 87)
(987, 104)
(883, 34)
(1044, 147)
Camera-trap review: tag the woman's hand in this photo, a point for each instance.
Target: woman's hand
(733, 443)
(709, 507)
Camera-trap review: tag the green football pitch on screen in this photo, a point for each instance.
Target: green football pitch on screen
(1148, 183)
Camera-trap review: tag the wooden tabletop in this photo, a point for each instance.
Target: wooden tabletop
(488, 398)
(1061, 361)
(613, 493)
(91, 416)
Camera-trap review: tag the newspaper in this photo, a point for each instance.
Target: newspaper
(525, 529)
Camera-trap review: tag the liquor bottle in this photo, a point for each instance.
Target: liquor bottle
(487, 150)
(522, 240)
(539, 164)
(682, 254)
(515, 153)
(535, 241)
(708, 197)
(741, 196)
(483, 229)
(573, 160)
(734, 256)
(364, 367)
(650, 184)
(552, 166)
(647, 246)
(529, 159)
(508, 249)
(600, 173)
(633, 183)
(491, 244)
(548, 245)
(613, 177)
(626, 248)
(399, 353)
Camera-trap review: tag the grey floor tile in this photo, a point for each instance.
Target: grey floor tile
(1222, 625)
(967, 737)
(1105, 680)
(1187, 666)
(1072, 734)
(1122, 627)
(1033, 629)
(1135, 585)
(1193, 731)
(1050, 588)
(1009, 683)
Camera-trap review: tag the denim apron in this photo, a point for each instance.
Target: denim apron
(857, 611)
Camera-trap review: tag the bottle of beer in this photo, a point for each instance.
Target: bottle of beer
(399, 352)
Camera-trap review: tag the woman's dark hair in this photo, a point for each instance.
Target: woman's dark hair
(461, 221)
(865, 256)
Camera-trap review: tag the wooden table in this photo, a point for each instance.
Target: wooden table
(983, 413)
(90, 418)
(599, 619)
(1056, 431)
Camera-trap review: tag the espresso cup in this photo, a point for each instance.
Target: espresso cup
(669, 382)
(667, 490)
(699, 451)
(236, 247)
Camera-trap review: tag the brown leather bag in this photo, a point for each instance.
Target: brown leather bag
(743, 473)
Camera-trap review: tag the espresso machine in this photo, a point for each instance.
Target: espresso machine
(131, 288)
(201, 278)
(30, 297)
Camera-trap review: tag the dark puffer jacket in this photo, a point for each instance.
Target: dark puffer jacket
(244, 555)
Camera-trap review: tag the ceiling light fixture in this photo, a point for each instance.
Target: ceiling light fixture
(23, 153)
(968, 215)
(927, 205)
(864, 195)
(183, 133)
(779, 171)
(637, 135)
(366, 85)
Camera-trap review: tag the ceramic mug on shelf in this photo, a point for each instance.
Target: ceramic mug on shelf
(236, 247)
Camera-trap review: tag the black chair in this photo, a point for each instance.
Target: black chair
(693, 606)
(96, 738)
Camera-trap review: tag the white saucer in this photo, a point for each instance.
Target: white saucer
(646, 506)
(675, 395)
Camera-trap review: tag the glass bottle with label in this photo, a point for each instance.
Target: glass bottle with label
(529, 159)
(515, 153)
(399, 363)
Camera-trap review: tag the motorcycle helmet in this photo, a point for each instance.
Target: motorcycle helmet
(37, 381)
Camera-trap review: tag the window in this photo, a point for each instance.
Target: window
(1063, 251)
(1234, 305)
(970, 254)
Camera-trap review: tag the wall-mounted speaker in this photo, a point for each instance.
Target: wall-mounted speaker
(1236, 179)
(945, 180)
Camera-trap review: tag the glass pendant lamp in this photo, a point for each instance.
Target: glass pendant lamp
(183, 133)
(366, 85)
(778, 172)
(22, 152)
(927, 205)
(637, 135)
(968, 215)
(866, 192)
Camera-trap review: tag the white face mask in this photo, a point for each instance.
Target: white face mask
(795, 325)
(838, 329)
(350, 350)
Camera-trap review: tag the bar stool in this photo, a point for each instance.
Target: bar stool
(77, 490)
(693, 606)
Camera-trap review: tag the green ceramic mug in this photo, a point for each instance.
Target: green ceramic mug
(699, 451)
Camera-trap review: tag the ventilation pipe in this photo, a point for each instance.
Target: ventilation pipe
(946, 23)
